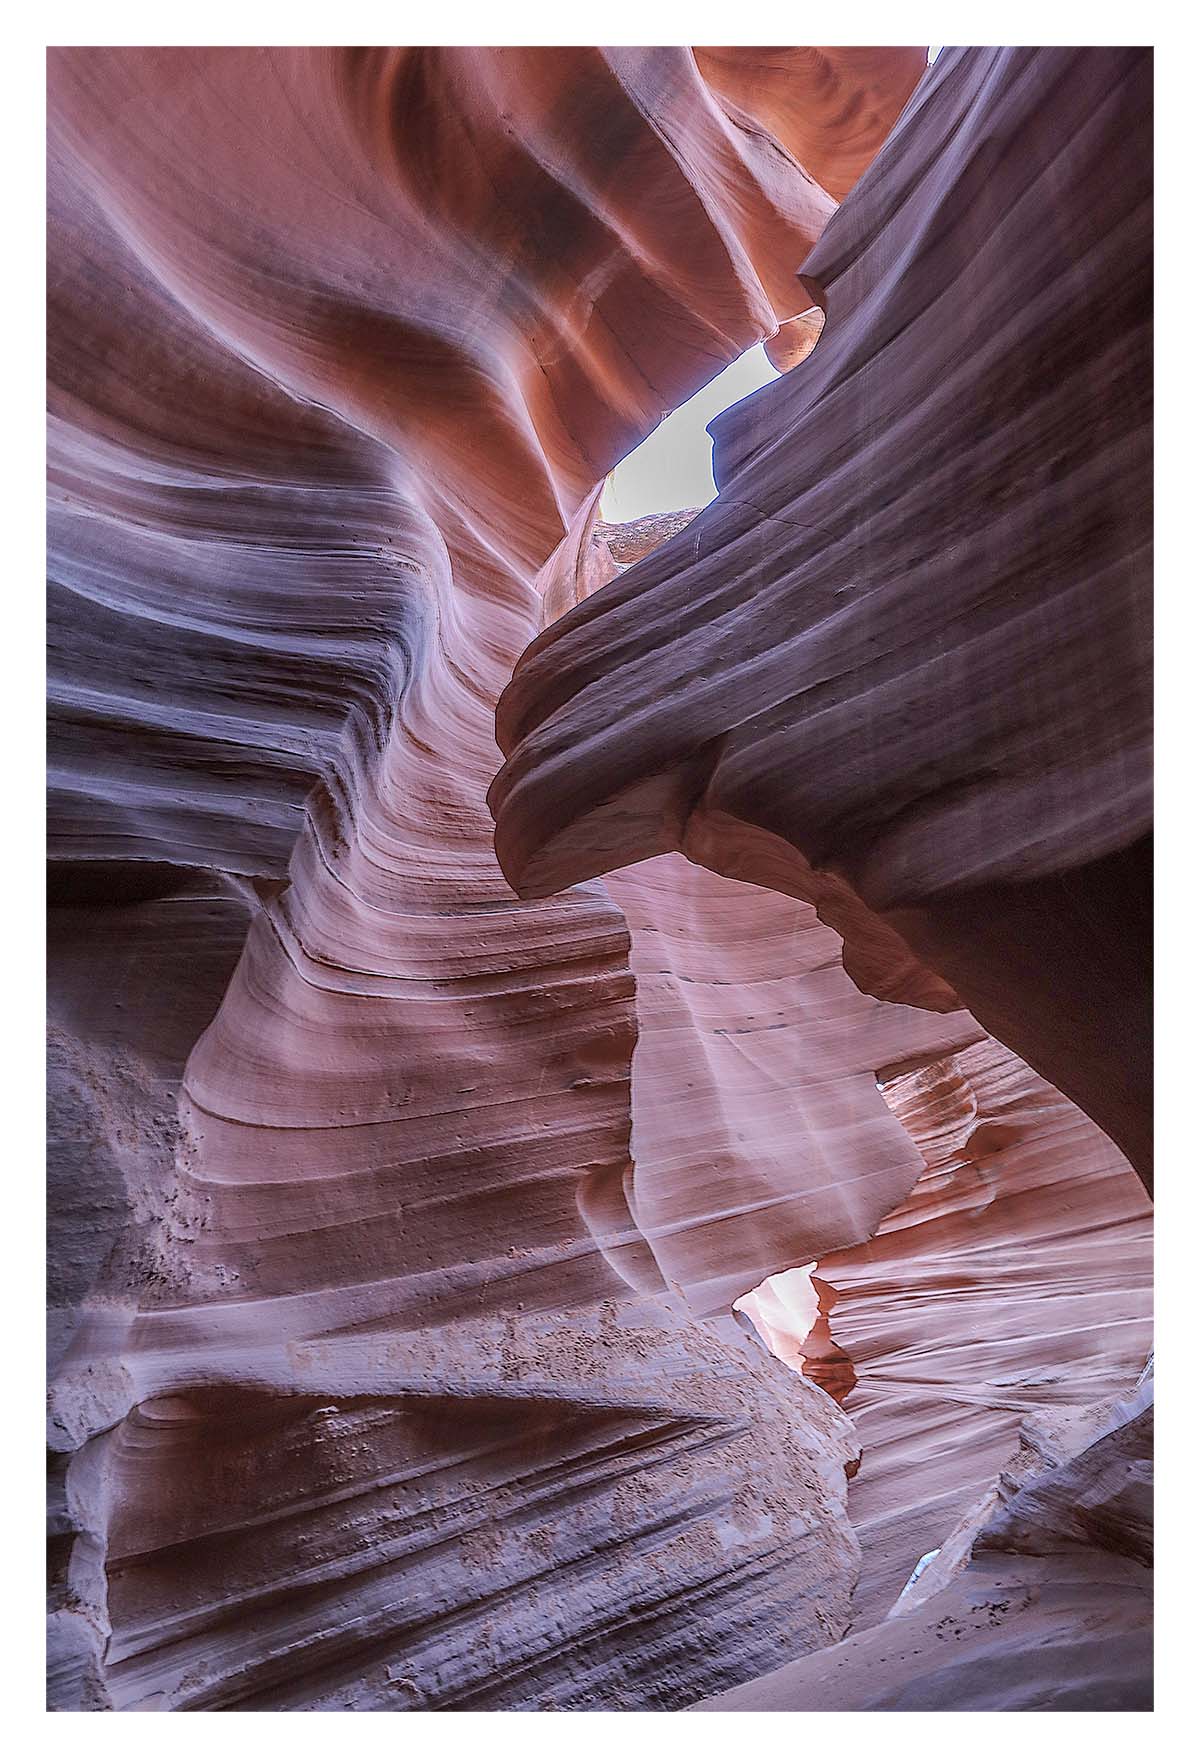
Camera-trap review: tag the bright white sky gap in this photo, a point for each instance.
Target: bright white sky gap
(672, 468)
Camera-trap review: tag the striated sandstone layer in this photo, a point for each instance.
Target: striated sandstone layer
(1017, 1275)
(758, 1133)
(1041, 1600)
(1015, 1278)
(900, 667)
(372, 1389)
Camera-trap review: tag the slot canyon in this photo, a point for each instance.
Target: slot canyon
(599, 1069)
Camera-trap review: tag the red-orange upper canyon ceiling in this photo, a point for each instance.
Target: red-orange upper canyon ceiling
(397, 1220)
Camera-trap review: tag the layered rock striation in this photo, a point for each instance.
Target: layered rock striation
(1014, 1276)
(1041, 1599)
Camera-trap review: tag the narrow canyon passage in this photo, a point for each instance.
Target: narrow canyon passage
(492, 935)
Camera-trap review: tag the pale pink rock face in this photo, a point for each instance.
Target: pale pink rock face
(399, 1220)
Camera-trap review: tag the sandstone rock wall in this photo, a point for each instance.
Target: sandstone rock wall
(899, 671)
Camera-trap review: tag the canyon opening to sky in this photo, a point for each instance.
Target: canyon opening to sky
(672, 468)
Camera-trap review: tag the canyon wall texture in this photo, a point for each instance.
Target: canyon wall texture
(1037, 1601)
(397, 1220)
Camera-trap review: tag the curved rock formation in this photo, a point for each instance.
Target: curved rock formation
(900, 667)
(1035, 1634)
(372, 1392)
(1015, 1271)
(759, 1137)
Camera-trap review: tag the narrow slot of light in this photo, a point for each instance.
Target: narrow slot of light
(672, 468)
